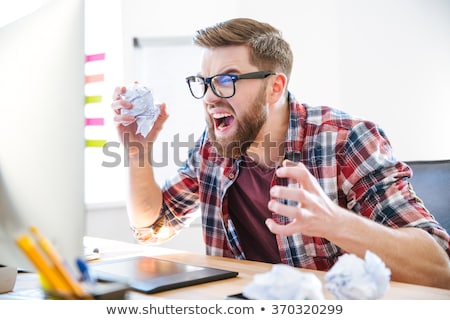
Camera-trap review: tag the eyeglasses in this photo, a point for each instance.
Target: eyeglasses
(223, 85)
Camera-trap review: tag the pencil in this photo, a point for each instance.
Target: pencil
(45, 269)
(58, 263)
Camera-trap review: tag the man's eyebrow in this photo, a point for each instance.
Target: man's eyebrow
(232, 71)
(229, 71)
(226, 71)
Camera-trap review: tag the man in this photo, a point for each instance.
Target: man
(279, 181)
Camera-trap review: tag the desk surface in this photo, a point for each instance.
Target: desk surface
(219, 290)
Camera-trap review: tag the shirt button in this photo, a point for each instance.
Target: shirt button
(231, 176)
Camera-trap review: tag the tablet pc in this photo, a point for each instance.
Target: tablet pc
(151, 275)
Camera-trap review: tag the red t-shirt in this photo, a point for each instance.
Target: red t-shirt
(247, 203)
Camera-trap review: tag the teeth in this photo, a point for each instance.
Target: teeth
(220, 115)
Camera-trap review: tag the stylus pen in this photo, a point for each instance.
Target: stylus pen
(86, 273)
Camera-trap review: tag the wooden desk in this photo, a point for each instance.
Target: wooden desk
(219, 290)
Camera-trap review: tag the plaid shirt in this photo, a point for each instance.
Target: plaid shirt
(352, 161)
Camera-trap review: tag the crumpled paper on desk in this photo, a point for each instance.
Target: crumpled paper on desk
(284, 282)
(144, 109)
(353, 278)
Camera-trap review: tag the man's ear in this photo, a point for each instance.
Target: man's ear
(277, 87)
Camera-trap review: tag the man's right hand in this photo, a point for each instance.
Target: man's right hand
(120, 120)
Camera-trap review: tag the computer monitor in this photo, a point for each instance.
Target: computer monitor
(42, 60)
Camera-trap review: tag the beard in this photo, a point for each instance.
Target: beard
(248, 127)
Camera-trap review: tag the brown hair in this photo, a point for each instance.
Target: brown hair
(268, 50)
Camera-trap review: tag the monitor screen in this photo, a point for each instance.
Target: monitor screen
(42, 140)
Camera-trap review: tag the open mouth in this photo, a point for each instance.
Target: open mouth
(222, 120)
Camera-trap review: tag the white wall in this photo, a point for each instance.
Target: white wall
(394, 59)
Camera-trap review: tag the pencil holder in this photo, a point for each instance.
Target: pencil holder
(94, 291)
(8, 278)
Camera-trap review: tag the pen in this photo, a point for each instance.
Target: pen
(85, 271)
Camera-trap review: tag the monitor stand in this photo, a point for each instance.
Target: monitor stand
(8, 277)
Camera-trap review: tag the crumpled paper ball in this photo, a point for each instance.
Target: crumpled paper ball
(144, 109)
(284, 282)
(353, 278)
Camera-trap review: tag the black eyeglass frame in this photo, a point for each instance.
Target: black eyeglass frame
(234, 77)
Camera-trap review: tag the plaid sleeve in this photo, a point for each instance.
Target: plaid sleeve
(377, 184)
